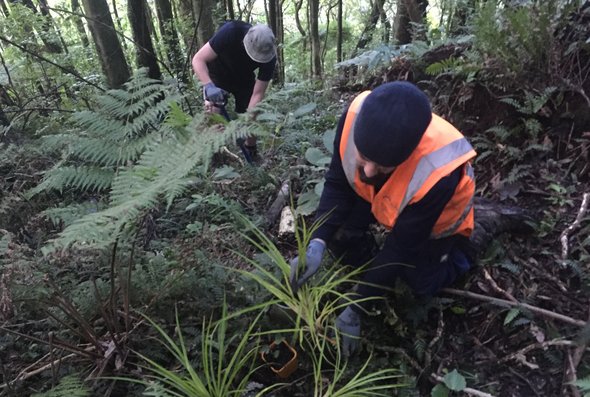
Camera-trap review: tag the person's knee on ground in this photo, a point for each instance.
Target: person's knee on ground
(427, 280)
(493, 219)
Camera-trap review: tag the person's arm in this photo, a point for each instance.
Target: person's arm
(258, 93)
(202, 57)
(338, 197)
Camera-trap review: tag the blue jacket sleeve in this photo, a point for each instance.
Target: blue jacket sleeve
(338, 197)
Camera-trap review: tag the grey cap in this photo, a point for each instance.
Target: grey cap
(259, 43)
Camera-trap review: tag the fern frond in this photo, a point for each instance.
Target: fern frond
(69, 386)
(518, 172)
(67, 215)
(446, 65)
(83, 178)
(583, 384)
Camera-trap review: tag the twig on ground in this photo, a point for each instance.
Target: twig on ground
(569, 375)
(504, 303)
(232, 154)
(277, 206)
(437, 336)
(402, 352)
(26, 375)
(525, 380)
(497, 288)
(518, 355)
(467, 390)
(564, 237)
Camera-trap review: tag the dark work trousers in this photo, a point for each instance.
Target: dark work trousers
(433, 266)
(242, 94)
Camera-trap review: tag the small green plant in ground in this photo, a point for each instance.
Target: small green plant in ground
(225, 366)
(316, 303)
(68, 386)
(363, 383)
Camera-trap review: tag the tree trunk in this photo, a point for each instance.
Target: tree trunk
(367, 34)
(3, 119)
(314, 33)
(339, 36)
(50, 45)
(169, 35)
(275, 20)
(107, 42)
(51, 28)
(189, 31)
(229, 9)
(79, 23)
(203, 11)
(118, 21)
(4, 8)
(137, 13)
(408, 12)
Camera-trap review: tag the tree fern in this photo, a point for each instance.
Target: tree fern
(125, 124)
(82, 178)
(163, 172)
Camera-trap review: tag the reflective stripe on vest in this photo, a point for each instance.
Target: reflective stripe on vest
(441, 150)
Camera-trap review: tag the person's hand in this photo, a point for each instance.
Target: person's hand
(214, 94)
(313, 258)
(348, 324)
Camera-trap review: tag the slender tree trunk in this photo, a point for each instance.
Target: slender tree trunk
(367, 34)
(50, 27)
(107, 42)
(169, 35)
(203, 11)
(408, 12)
(339, 36)
(3, 119)
(298, 5)
(118, 21)
(229, 9)
(275, 21)
(188, 22)
(4, 8)
(314, 33)
(79, 23)
(137, 13)
(50, 45)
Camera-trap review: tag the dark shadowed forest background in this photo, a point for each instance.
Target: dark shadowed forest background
(140, 255)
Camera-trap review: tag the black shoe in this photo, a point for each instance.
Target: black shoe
(493, 219)
(250, 152)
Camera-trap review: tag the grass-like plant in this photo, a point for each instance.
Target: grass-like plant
(316, 303)
(226, 366)
(363, 383)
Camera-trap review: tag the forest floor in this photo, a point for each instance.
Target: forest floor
(515, 325)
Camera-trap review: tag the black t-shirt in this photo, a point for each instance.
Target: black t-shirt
(233, 69)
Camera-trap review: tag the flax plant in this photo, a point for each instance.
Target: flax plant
(225, 370)
(316, 303)
(329, 377)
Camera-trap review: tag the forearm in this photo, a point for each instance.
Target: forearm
(199, 63)
(258, 93)
(201, 71)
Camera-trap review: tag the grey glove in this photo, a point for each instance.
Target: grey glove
(313, 258)
(348, 324)
(214, 94)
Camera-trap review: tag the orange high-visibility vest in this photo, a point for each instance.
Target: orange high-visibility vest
(441, 150)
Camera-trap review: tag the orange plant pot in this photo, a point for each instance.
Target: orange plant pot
(284, 367)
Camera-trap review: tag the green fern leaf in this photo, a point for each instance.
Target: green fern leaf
(69, 386)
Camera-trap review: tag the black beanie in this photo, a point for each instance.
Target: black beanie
(391, 123)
